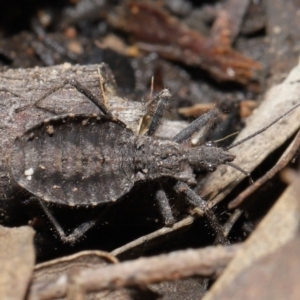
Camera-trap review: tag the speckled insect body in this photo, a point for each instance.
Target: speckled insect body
(87, 160)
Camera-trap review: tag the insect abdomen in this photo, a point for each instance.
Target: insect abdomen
(78, 160)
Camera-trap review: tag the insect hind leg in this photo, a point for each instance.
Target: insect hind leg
(75, 235)
(100, 102)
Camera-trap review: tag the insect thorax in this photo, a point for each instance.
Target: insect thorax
(160, 158)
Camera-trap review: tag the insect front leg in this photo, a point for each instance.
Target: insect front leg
(77, 233)
(155, 112)
(198, 202)
(204, 122)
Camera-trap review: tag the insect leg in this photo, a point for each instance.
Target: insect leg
(100, 103)
(204, 122)
(155, 113)
(197, 201)
(77, 233)
(164, 206)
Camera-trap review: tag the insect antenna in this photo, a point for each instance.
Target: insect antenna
(241, 170)
(227, 137)
(261, 130)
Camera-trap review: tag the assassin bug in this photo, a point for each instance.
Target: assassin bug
(88, 160)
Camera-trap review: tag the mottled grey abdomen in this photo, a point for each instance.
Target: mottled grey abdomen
(80, 160)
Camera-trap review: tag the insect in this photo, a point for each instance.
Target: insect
(88, 160)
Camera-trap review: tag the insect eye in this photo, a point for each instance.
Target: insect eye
(210, 144)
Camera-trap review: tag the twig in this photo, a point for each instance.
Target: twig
(278, 100)
(184, 44)
(283, 161)
(228, 23)
(172, 266)
(231, 221)
(146, 238)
